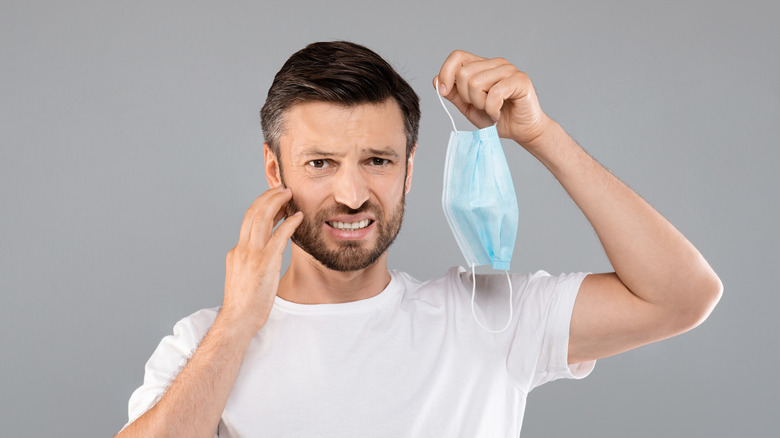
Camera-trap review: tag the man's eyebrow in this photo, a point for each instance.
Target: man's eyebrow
(385, 152)
(317, 152)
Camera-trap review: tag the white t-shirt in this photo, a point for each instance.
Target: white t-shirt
(410, 361)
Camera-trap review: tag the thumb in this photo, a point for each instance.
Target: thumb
(478, 117)
(451, 95)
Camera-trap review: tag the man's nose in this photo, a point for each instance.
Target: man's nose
(351, 188)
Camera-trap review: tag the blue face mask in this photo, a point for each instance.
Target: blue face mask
(479, 200)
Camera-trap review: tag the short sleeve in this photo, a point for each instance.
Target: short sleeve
(539, 349)
(168, 359)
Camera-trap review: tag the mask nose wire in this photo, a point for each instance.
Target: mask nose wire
(473, 293)
(445, 106)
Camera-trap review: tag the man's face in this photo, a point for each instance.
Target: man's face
(348, 172)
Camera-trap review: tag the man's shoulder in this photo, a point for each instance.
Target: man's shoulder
(196, 324)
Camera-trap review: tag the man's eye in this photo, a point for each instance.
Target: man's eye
(379, 161)
(317, 163)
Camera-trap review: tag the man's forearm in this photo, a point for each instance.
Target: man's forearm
(654, 260)
(193, 405)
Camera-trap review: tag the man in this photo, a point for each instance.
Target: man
(339, 345)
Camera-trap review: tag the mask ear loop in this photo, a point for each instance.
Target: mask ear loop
(473, 294)
(445, 106)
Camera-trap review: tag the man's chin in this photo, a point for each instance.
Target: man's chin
(345, 256)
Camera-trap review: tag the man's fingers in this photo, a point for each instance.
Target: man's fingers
(249, 216)
(480, 82)
(283, 232)
(476, 116)
(515, 86)
(265, 218)
(451, 65)
(260, 218)
(279, 215)
(470, 79)
(459, 103)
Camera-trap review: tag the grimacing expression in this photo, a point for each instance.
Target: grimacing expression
(347, 167)
(351, 255)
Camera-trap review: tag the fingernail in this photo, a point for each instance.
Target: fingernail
(298, 213)
(442, 89)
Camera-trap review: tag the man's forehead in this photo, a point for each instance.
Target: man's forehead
(314, 128)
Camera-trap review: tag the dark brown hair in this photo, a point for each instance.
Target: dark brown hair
(337, 72)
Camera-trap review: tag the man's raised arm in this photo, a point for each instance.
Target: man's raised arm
(662, 286)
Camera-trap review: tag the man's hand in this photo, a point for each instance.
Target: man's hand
(489, 91)
(193, 404)
(253, 266)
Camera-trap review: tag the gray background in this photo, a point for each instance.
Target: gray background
(131, 148)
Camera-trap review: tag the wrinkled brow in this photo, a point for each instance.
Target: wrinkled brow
(318, 152)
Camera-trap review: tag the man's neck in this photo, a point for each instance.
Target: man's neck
(307, 281)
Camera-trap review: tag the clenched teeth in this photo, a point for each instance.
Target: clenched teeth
(350, 225)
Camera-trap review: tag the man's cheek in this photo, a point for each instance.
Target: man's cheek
(290, 208)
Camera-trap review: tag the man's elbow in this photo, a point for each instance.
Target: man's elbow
(707, 294)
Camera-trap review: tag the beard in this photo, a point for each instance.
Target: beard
(350, 255)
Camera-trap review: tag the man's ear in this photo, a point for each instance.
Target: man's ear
(273, 169)
(410, 169)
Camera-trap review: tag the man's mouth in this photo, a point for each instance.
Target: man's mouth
(350, 226)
